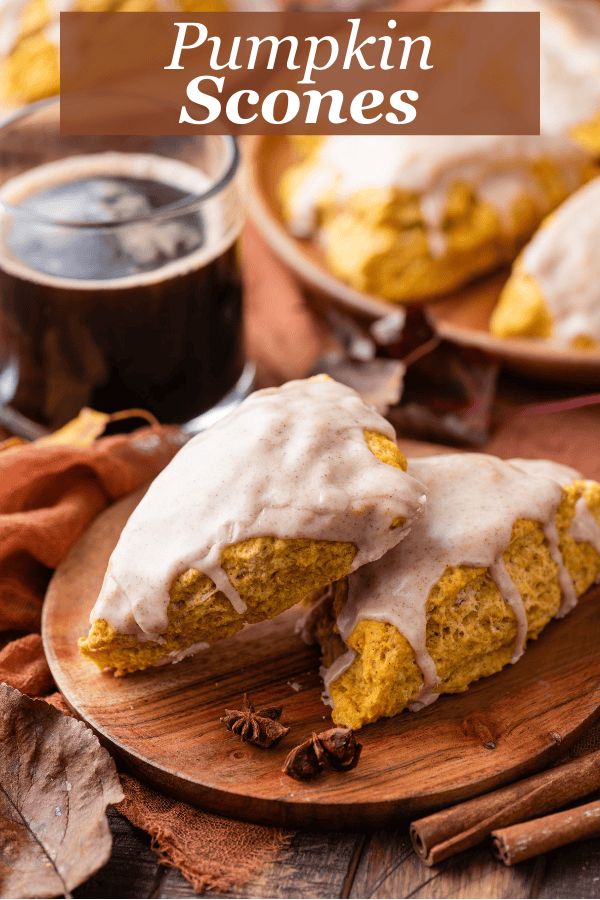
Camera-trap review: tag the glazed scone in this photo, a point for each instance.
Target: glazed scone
(502, 548)
(297, 487)
(569, 63)
(554, 289)
(29, 39)
(408, 217)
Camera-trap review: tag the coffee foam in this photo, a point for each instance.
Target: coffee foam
(220, 222)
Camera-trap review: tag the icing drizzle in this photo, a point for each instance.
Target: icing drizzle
(498, 167)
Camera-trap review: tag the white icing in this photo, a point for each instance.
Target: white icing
(337, 668)
(511, 594)
(564, 261)
(289, 462)
(584, 527)
(473, 502)
(175, 656)
(10, 25)
(497, 166)
(557, 471)
(567, 588)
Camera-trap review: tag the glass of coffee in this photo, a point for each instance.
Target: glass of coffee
(119, 278)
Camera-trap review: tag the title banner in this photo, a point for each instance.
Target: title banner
(300, 73)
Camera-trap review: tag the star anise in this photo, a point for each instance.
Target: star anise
(336, 747)
(260, 727)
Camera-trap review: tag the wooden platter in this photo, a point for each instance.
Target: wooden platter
(164, 724)
(462, 316)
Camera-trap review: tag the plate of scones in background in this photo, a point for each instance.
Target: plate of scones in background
(496, 232)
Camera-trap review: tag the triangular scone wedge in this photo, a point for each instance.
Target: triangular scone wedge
(408, 218)
(554, 288)
(502, 548)
(295, 489)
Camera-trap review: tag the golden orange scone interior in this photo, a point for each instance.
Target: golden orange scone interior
(270, 574)
(471, 629)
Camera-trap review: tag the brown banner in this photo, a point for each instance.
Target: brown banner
(300, 73)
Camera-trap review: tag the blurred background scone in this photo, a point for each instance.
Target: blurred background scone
(554, 289)
(29, 38)
(408, 217)
(501, 550)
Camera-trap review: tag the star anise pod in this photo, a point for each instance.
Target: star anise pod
(260, 727)
(336, 747)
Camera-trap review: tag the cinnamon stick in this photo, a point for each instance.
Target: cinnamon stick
(520, 842)
(452, 830)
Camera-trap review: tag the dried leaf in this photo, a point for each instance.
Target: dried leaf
(81, 431)
(442, 391)
(89, 425)
(378, 381)
(55, 784)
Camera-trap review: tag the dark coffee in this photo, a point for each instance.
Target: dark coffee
(137, 305)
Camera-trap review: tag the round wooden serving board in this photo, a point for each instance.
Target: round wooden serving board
(462, 316)
(164, 723)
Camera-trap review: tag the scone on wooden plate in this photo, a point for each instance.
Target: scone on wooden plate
(502, 548)
(296, 488)
(410, 217)
(554, 289)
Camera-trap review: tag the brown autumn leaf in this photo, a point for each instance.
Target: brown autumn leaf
(55, 784)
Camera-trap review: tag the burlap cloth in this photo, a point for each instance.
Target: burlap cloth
(49, 494)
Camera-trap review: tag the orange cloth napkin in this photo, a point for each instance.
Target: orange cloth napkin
(48, 495)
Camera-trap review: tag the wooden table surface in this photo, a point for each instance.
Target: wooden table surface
(380, 864)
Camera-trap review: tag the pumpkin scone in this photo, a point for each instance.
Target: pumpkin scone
(409, 217)
(554, 289)
(502, 548)
(296, 488)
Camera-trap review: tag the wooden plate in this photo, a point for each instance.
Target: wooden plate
(462, 316)
(164, 723)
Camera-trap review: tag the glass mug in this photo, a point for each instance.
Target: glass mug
(119, 277)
